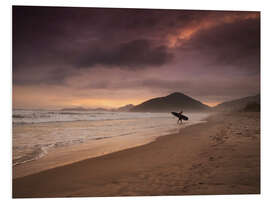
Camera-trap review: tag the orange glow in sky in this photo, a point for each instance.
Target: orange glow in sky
(188, 32)
(44, 97)
(54, 97)
(211, 104)
(105, 103)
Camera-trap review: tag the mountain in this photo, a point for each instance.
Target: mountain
(126, 107)
(173, 102)
(238, 104)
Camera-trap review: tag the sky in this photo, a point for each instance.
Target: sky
(101, 57)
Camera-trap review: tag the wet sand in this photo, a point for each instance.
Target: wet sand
(221, 156)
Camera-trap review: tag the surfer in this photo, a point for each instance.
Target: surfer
(180, 116)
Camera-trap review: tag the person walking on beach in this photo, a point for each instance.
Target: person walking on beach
(180, 116)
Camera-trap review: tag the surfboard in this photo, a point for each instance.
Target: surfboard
(185, 118)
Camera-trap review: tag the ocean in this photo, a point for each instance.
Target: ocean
(38, 132)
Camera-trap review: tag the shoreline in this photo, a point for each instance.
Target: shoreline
(57, 157)
(201, 159)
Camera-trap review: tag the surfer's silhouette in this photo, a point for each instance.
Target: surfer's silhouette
(180, 117)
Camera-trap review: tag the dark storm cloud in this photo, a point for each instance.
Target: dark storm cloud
(45, 37)
(54, 44)
(49, 35)
(234, 44)
(136, 54)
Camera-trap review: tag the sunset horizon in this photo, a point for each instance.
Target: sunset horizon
(107, 104)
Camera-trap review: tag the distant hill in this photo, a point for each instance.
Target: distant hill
(83, 109)
(74, 109)
(238, 104)
(172, 102)
(125, 108)
(252, 107)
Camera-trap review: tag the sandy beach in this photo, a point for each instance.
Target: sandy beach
(221, 156)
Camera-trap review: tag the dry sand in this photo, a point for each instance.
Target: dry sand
(221, 156)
